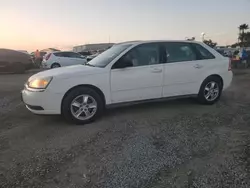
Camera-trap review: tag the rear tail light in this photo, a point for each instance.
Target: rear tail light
(47, 57)
(230, 65)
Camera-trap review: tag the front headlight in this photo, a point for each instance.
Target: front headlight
(39, 83)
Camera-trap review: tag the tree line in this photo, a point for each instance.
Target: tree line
(243, 38)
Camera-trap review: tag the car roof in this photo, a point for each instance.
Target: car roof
(62, 52)
(12, 51)
(154, 41)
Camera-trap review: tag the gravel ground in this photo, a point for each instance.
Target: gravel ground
(164, 144)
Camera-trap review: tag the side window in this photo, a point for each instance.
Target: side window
(179, 51)
(142, 55)
(74, 55)
(68, 54)
(203, 52)
(59, 54)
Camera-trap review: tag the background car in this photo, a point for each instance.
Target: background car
(42, 54)
(61, 59)
(85, 54)
(24, 51)
(90, 57)
(12, 61)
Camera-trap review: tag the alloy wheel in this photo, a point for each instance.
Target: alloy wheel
(211, 91)
(83, 107)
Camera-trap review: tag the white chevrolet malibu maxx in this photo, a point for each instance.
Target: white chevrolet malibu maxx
(128, 72)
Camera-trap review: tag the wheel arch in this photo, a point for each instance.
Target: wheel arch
(98, 90)
(214, 75)
(55, 63)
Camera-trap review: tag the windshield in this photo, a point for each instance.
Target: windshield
(109, 55)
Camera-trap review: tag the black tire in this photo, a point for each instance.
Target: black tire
(55, 65)
(66, 104)
(202, 97)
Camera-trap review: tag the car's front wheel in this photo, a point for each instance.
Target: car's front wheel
(210, 90)
(82, 105)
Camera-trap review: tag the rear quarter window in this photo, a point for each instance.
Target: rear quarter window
(203, 52)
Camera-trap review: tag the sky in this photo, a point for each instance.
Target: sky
(38, 24)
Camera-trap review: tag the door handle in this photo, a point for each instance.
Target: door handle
(197, 66)
(155, 70)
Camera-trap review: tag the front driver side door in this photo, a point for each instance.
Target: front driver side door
(143, 80)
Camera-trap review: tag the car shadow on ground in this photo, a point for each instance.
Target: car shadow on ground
(127, 109)
(150, 106)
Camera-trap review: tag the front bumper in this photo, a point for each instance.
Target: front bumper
(42, 102)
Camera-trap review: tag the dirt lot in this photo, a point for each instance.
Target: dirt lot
(167, 144)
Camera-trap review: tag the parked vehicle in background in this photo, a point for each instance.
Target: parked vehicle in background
(61, 59)
(90, 57)
(221, 52)
(85, 54)
(248, 57)
(42, 54)
(128, 72)
(12, 61)
(23, 51)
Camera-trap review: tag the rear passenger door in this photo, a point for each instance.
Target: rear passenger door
(184, 68)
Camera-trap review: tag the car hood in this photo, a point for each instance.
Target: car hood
(69, 71)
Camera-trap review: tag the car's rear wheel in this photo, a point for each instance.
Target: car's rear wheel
(55, 65)
(210, 90)
(82, 105)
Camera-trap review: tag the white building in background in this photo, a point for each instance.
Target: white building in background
(92, 47)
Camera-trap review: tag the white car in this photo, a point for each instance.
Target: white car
(128, 72)
(61, 59)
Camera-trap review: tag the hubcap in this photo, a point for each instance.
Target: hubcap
(83, 107)
(211, 91)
